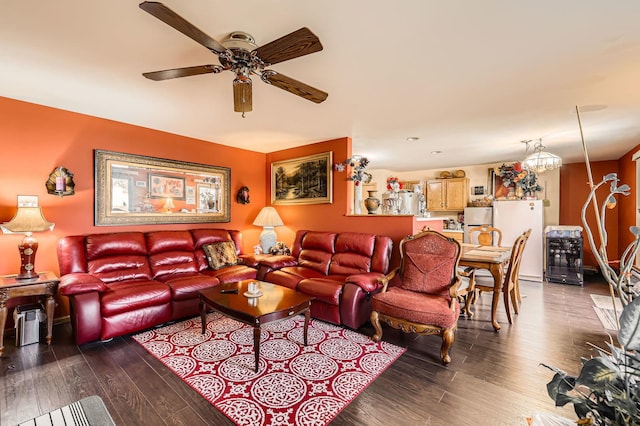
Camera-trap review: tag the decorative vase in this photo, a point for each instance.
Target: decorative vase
(372, 202)
(357, 199)
(519, 193)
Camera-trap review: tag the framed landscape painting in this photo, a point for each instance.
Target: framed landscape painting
(303, 180)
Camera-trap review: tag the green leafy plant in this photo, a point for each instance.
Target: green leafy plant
(607, 390)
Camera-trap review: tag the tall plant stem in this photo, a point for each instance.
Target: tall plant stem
(603, 249)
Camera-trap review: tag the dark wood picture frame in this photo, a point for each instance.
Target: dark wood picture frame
(303, 180)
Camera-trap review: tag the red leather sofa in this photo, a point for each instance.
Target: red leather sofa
(340, 270)
(123, 282)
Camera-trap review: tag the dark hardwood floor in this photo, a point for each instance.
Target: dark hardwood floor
(493, 379)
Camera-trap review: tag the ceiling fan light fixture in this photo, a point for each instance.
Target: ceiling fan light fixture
(540, 160)
(239, 54)
(242, 95)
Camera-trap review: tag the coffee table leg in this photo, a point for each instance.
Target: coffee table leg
(256, 344)
(307, 315)
(203, 314)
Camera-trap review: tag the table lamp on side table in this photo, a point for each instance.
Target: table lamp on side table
(268, 218)
(28, 219)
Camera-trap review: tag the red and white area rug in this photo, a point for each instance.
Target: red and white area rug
(295, 384)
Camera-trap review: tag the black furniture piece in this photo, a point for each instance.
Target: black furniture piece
(564, 260)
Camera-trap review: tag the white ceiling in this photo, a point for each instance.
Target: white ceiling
(470, 78)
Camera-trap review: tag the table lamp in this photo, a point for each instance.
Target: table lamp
(28, 219)
(168, 205)
(268, 218)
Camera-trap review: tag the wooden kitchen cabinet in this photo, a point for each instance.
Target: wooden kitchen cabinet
(455, 235)
(447, 194)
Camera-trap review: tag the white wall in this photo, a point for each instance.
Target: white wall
(478, 176)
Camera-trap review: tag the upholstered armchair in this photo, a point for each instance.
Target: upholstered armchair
(421, 295)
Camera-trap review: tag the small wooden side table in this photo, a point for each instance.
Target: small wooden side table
(46, 284)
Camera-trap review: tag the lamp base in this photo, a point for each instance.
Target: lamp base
(27, 249)
(268, 239)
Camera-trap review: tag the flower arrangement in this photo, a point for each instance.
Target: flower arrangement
(358, 164)
(393, 184)
(521, 178)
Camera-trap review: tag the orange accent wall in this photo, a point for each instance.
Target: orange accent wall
(574, 189)
(627, 205)
(36, 139)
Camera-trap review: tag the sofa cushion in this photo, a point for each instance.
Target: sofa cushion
(324, 290)
(422, 308)
(102, 245)
(163, 241)
(221, 254)
(187, 286)
(171, 263)
(232, 274)
(120, 267)
(132, 295)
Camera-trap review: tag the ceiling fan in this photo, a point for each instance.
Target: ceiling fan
(239, 54)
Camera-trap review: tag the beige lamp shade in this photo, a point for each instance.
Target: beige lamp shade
(27, 219)
(268, 216)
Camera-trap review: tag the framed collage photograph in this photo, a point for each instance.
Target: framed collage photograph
(135, 189)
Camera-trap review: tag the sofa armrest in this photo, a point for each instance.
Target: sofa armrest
(367, 281)
(79, 282)
(249, 260)
(279, 262)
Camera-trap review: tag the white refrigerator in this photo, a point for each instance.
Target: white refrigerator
(515, 217)
(476, 216)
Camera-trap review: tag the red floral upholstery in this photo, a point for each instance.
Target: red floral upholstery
(422, 298)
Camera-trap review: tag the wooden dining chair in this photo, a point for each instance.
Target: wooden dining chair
(510, 285)
(486, 235)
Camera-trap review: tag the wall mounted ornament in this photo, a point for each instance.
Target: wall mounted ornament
(242, 196)
(60, 182)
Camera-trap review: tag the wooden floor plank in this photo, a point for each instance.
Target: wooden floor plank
(494, 378)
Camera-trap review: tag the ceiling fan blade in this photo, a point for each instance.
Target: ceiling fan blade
(294, 86)
(182, 72)
(298, 43)
(242, 95)
(171, 18)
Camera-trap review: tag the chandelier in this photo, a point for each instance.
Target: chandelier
(540, 160)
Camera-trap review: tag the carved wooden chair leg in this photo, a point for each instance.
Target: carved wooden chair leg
(471, 295)
(507, 306)
(376, 325)
(514, 301)
(448, 336)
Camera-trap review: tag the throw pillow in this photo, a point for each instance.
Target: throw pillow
(221, 254)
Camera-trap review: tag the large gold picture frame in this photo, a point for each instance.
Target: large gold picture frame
(302, 180)
(135, 190)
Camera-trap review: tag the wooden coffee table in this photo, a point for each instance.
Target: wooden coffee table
(276, 303)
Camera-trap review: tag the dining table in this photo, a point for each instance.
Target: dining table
(494, 259)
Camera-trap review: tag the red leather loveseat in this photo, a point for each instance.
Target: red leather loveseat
(340, 270)
(123, 282)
